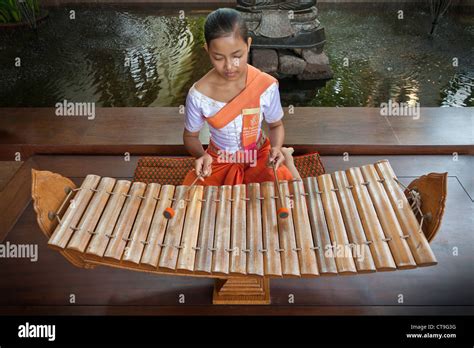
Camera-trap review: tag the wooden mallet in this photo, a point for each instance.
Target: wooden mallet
(169, 212)
(283, 211)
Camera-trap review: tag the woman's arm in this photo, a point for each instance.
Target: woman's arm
(276, 134)
(277, 138)
(192, 143)
(203, 162)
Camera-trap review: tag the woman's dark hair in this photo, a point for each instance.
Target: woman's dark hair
(224, 22)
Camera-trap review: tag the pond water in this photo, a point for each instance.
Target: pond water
(117, 56)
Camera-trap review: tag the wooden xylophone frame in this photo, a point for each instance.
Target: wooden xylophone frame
(362, 207)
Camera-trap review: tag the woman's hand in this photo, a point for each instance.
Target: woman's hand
(276, 156)
(203, 165)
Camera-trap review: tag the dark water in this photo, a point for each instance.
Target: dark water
(137, 57)
(397, 59)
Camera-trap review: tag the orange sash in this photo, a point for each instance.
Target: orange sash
(246, 103)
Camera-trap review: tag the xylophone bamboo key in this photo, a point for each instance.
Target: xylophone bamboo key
(89, 220)
(398, 246)
(271, 256)
(340, 247)
(373, 230)
(304, 239)
(189, 238)
(73, 214)
(220, 260)
(254, 230)
(288, 252)
(355, 231)
(109, 218)
(319, 228)
(139, 235)
(204, 252)
(238, 258)
(124, 224)
(152, 252)
(174, 230)
(283, 211)
(416, 239)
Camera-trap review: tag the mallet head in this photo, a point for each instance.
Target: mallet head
(168, 213)
(283, 213)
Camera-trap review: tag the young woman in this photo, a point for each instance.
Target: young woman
(234, 98)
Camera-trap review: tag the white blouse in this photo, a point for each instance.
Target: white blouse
(228, 138)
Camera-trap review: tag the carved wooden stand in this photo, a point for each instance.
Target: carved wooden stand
(242, 290)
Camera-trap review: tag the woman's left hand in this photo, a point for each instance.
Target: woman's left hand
(276, 156)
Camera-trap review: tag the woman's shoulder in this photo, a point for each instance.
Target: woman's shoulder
(203, 89)
(272, 87)
(205, 83)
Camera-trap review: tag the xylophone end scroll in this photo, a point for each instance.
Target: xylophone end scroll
(48, 191)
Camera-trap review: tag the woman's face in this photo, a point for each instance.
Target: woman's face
(229, 56)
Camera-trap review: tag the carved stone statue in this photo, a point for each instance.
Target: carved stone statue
(287, 38)
(259, 5)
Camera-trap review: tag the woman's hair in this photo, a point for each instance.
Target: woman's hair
(224, 22)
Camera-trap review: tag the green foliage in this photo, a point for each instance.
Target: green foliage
(10, 11)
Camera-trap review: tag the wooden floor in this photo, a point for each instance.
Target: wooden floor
(45, 286)
(7, 170)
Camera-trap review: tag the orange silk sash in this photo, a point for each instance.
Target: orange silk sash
(247, 103)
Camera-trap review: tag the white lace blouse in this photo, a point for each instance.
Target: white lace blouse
(200, 106)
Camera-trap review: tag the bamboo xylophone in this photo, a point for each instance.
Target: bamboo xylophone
(348, 222)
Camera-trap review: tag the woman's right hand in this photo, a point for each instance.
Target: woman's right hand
(203, 165)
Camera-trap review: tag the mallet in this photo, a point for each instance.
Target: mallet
(283, 211)
(169, 212)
